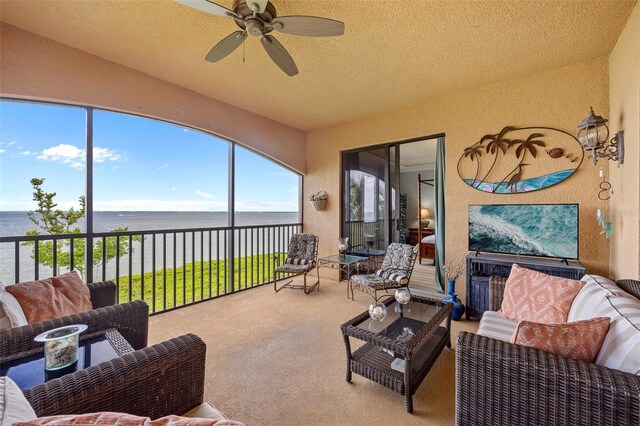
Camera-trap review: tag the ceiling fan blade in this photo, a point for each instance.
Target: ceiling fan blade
(279, 55)
(308, 26)
(226, 46)
(208, 7)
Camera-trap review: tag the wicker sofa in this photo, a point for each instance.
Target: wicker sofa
(130, 319)
(164, 379)
(499, 383)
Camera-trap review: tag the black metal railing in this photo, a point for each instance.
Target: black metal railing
(167, 268)
(362, 233)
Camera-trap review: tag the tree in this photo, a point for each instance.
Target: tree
(356, 189)
(54, 221)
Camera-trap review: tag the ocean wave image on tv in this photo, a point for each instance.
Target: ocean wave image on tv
(537, 230)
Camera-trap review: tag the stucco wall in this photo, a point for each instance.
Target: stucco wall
(558, 98)
(33, 67)
(624, 94)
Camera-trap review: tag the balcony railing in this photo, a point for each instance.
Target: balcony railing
(359, 231)
(167, 268)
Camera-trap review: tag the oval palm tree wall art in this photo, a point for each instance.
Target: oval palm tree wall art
(517, 160)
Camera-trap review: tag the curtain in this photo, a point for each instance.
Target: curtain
(439, 213)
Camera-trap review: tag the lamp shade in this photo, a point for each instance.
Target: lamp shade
(425, 213)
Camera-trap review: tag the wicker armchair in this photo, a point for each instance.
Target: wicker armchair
(301, 259)
(157, 381)
(130, 319)
(394, 273)
(630, 286)
(499, 383)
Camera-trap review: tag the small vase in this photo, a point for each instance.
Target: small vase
(452, 297)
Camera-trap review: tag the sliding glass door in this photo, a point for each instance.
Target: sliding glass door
(368, 197)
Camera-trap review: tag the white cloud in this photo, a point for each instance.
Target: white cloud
(173, 189)
(101, 155)
(26, 153)
(74, 156)
(12, 143)
(204, 194)
(64, 152)
(2, 150)
(164, 166)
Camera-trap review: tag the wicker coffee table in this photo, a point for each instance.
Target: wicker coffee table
(424, 318)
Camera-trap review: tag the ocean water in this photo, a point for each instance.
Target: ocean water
(187, 246)
(538, 230)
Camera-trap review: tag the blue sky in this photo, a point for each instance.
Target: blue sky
(139, 164)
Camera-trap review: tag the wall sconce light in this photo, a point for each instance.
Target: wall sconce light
(593, 135)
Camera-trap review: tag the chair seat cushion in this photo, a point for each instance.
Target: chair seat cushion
(376, 282)
(392, 275)
(496, 326)
(205, 411)
(294, 269)
(14, 407)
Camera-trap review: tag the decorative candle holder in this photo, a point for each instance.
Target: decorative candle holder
(378, 311)
(402, 296)
(343, 245)
(60, 346)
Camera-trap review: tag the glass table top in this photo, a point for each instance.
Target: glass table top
(367, 252)
(342, 259)
(413, 316)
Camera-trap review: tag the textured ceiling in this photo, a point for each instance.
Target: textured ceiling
(394, 52)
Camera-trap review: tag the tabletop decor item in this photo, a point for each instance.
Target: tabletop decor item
(517, 160)
(403, 296)
(452, 271)
(378, 311)
(319, 200)
(60, 346)
(343, 245)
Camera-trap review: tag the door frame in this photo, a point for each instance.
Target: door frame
(389, 232)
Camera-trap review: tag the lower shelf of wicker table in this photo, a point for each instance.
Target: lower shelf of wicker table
(371, 362)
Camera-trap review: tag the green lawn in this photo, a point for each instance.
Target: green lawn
(194, 282)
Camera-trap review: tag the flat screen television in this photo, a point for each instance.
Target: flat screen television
(548, 230)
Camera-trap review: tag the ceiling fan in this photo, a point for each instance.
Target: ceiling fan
(258, 18)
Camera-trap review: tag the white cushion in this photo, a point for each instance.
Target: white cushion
(496, 326)
(590, 297)
(11, 313)
(14, 407)
(205, 411)
(621, 347)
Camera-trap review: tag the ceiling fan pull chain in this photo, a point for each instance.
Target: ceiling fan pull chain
(243, 52)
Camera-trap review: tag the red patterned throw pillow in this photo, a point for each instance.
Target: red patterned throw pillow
(580, 340)
(53, 297)
(534, 296)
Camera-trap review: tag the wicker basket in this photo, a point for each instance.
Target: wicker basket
(319, 205)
